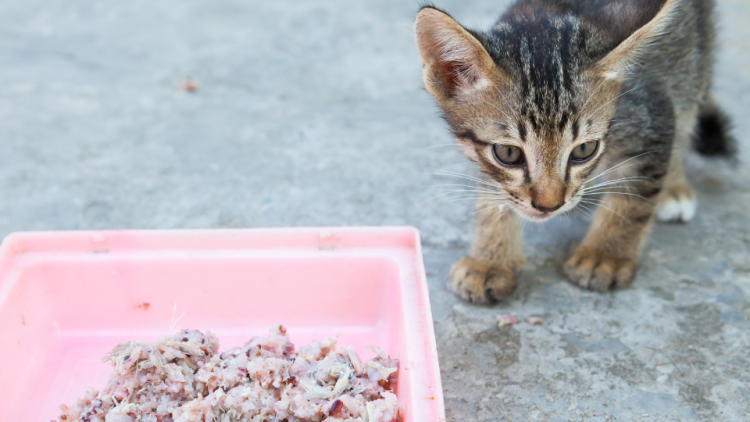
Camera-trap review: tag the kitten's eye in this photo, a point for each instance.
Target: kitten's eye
(508, 154)
(583, 152)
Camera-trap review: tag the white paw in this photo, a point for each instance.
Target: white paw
(676, 209)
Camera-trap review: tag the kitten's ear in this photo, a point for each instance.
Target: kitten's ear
(615, 64)
(454, 63)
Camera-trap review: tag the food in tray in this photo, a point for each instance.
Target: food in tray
(183, 378)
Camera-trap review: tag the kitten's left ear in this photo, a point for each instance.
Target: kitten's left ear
(614, 65)
(454, 62)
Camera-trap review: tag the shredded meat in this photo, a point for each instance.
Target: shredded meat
(183, 378)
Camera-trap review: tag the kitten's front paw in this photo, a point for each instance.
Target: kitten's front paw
(596, 270)
(480, 283)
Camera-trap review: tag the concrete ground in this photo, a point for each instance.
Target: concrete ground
(312, 113)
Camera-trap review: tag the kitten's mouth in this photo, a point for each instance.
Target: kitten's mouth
(537, 216)
(542, 216)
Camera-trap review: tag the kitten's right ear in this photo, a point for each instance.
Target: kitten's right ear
(454, 62)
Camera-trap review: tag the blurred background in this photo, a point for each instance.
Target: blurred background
(304, 113)
(222, 113)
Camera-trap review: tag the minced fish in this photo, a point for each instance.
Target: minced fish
(183, 378)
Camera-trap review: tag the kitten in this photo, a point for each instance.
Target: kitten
(565, 99)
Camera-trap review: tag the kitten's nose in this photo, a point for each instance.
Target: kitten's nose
(547, 193)
(547, 209)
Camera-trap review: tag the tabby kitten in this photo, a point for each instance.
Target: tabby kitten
(563, 99)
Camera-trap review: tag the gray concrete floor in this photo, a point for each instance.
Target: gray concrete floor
(312, 113)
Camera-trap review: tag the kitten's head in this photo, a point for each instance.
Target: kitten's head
(531, 101)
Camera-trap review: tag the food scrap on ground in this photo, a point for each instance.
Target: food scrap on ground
(534, 320)
(183, 378)
(506, 319)
(188, 85)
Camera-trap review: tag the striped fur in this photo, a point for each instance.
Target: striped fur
(549, 77)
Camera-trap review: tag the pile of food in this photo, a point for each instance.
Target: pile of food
(183, 378)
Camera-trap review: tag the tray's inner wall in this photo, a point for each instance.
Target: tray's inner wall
(62, 315)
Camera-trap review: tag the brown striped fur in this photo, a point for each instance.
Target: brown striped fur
(550, 76)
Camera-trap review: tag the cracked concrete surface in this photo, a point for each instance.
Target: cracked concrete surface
(312, 113)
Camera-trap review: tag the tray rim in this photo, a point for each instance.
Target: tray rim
(17, 245)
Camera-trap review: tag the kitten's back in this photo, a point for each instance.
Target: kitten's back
(680, 59)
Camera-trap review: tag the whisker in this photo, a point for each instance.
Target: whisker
(467, 193)
(605, 189)
(463, 197)
(611, 169)
(505, 99)
(485, 209)
(584, 207)
(476, 191)
(626, 193)
(438, 196)
(441, 146)
(621, 185)
(450, 201)
(496, 107)
(616, 185)
(592, 94)
(490, 207)
(461, 185)
(613, 211)
(596, 202)
(618, 168)
(616, 188)
(474, 196)
(625, 178)
(613, 99)
(465, 176)
(622, 120)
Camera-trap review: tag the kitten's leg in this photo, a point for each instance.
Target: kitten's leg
(606, 257)
(488, 273)
(677, 202)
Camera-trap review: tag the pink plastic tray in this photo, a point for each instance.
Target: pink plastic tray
(66, 298)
